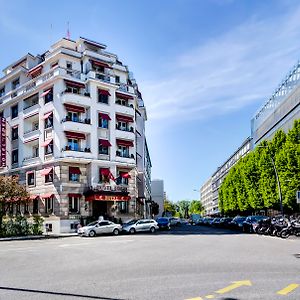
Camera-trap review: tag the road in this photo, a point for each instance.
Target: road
(190, 262)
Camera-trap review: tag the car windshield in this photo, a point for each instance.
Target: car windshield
(162, 220)
(131, 222)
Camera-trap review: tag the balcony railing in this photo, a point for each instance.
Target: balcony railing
(77, 149)
(32, 131)
(83, 121)
(120, 154)
(103, 77)
(30, 157)
(119, 102)
(81, 93)
(30, 105)
(124, 129)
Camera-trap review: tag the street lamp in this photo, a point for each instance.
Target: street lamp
(277, 180)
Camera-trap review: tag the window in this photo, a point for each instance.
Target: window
(1, 114)
(14, 133)
(74, 90)
(35, 206)
(74, 204)
(69, 65)
(123, 102)
(49, 177)
(48, 227)
(14, 111)
(49, 205)
(103, 123)
(123, 151)
(104, 175)
(49, 96)
(123, 207)
(35, 125)
(49, 148)
(15, 83)
(103, 98)
(49, 122)
(35, 151)
(103, 149)
(74, 174)
(122, 126)
(117, 79)
(2, 91)
(73, 144)
(73, 116)
(15, 156)
(30, 178)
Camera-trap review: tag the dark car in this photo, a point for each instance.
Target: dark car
(215, 222)
(224, 222)
(207, 220)
(163, 223)
(251, 222)
(237, 223)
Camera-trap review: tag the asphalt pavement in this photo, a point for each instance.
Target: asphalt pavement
(189, 262)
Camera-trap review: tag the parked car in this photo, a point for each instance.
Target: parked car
(207, 220)
(174, 221)
(194, 219)
(215, 222)
(100, 227)
(163, 223)
(237, 223)
(251, 222)
(134, 226)
(224, 222)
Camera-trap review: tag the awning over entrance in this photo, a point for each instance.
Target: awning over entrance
(49, 195)
(46, 171)
(101, 197)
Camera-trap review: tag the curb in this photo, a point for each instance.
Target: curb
(35, 237)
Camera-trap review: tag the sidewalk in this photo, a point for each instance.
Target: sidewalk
(38, 237)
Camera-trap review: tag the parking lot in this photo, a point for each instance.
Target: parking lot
(188, 262)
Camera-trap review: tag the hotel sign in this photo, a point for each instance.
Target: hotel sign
(109, 188)
(2, 142)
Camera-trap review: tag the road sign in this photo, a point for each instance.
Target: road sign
(298, 196)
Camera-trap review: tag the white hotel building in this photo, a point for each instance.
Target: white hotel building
(75, 135)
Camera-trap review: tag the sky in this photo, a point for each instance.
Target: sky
(204, 67)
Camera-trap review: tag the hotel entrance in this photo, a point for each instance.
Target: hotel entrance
(99, 209)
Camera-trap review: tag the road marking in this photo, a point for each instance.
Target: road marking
(197, 298)
(210, 296)
(234, 285)
(288, 289)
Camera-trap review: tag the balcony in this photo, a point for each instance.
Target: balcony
(31, 134)
(29, 160)
(123, 87)
(81, 125)
(103, 156)
(106, 77)
(31, 110)
(125, 134)
(124, 109)
(79, 99)
(83, 152)
(120, 157)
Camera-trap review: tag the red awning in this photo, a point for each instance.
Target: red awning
(33, 197)
(124, 118)
(74, 84)
(104, 116)
(49, 195)
(99, 63)
(74, 170)
(123, 96)
(74, 195)
(99, 197)
(47, 115)
(125, 175)
(46, 92)
(104, 92)
(46, 171)
(74, 108)
(125, 143)
(35, 71)
(104, 172)
(46, 143)
(104, 143)
(75, 135)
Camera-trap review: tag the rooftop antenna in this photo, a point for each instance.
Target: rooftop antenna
(68, 32)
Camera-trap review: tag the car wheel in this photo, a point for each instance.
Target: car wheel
(152, 229)
(116, 232)
(92, 233)
(132, 230)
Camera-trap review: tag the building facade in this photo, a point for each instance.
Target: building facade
(206, 197)
(212, 192)
(75, 134)
(280, 111)
(158, 194)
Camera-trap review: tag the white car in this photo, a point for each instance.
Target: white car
(100, 227)
(134, 226)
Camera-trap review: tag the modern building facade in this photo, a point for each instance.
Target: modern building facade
(158, 194)
(212, 192)
(75, 134)
(280, 111)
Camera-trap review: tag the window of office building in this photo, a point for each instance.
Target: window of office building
(73, 204)
(30, 178)
(15, 156)
(14, 111)
(14, 133)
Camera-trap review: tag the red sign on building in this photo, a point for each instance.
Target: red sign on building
(2, 142)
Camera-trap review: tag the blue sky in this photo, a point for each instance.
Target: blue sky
(204, 67)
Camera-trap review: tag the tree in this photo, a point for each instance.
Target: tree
(183, 206)
(196, 207)
(169, 207)
(11, 192)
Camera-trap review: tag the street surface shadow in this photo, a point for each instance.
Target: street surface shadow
(229, 299)
(56, 293)
(297, 255)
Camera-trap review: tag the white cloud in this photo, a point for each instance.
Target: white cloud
(226, 73)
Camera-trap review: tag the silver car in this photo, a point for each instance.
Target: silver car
(100, 227)
(134, 226)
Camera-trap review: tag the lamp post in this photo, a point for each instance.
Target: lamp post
(277, 180)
